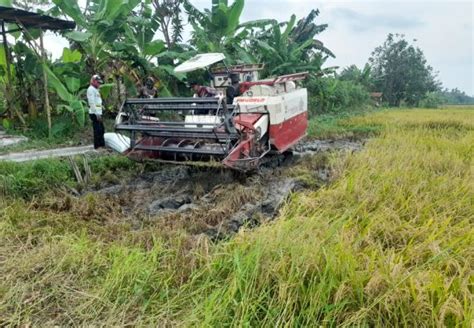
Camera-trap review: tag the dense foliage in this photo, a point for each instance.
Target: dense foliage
(456, 97)
(446, 97)
(121, 41)
(332, 95)
(117, 39)
(291, 46)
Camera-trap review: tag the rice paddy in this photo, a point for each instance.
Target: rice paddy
(389, 242)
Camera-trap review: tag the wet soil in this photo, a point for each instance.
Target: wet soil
(218, 202)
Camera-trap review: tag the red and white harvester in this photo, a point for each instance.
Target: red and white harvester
(268, 118)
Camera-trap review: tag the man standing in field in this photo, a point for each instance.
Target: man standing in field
(95, 110)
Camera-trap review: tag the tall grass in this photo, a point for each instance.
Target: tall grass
(338, 126)
(30, 179)
(389, 243)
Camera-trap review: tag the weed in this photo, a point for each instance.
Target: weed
(30, 179)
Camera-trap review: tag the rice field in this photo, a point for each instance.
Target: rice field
(390, 242)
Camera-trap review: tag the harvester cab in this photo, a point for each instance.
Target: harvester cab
(266, 117)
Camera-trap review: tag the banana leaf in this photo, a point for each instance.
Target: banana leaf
(105, 90)
(73, 84)
(71, 8)
(71, 56)
(78, 36)
(56, 84)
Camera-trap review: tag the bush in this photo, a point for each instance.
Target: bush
(330, 95)
(431, 100)
(63, 126)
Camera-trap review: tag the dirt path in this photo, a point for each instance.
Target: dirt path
(49, 153)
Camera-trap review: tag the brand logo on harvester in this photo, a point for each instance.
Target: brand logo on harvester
(251, 100)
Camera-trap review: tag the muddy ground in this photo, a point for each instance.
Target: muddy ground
(218, 202)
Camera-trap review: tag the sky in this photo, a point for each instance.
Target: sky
(442, 29)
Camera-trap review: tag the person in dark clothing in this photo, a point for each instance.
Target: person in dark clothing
(149, 90)
(95, 110)
(202, 92)
(99, 130)
(234, 89)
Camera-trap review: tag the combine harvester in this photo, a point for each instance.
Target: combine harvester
(266, 120)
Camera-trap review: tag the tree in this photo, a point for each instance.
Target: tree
(101, 26)
(401, 72)
(456, 97)
(168, 15)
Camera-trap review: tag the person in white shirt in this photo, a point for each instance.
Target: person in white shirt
(95, 110)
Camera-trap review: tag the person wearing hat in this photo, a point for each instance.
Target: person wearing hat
(95, 110)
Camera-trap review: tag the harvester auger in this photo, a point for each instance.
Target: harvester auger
(268, 118)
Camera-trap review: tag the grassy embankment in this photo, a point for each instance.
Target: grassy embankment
(68, 136)
(390, 242)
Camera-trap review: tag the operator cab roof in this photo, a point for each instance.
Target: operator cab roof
(199, 61)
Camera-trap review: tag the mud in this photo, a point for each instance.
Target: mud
(318, 146)
(219, 202)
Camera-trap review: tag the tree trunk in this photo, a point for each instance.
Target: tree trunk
(166, 34)
(8, 92)
(45, 82)
(32, 109)
(8, 85)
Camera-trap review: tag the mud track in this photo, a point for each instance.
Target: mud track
(218, 202)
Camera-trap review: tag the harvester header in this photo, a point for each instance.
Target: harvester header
(266, 118)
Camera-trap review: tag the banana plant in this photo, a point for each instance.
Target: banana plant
(100, 25)
(291, 46)
(220, 30)
(3, 81)
(66, 82)
(361, 76)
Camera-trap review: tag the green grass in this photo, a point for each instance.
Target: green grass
(339, 126)
(389, 243)
(32, 179)
(29, 179)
